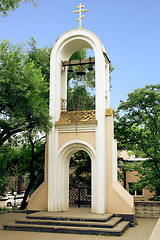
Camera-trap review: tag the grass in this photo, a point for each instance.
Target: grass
(3, 209)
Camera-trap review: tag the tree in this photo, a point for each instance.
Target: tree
(24, 111)
(80, 165)
(3, 172)
(22, 94)
(25, 157)
(80, 89)
(122, 170)
(79, 99)
(35, 164)
(41, 58)
(11, 5)
(138, 129)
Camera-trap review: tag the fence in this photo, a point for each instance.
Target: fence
(80, 196)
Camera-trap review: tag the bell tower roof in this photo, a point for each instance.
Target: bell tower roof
(81, 32)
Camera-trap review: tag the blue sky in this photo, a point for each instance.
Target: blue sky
(129, 31)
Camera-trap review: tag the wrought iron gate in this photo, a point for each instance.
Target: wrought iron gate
(80, 196)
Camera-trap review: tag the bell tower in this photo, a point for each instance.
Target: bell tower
(91, 131)
(64, 47)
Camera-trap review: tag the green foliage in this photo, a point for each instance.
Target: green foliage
(24, 112)
(89, 78)
(25, 158)
(11, 5)
(7, 169)
(123, 168)
(138, 129)
(3, 180)
(81, 89)
(80, 167)
(22, 94)
(41, 58)
(79, 99)
(148, 176)
(38, 165)
(15, 161)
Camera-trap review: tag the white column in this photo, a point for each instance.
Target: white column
(100, 133)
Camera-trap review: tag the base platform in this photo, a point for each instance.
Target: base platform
(76, 220)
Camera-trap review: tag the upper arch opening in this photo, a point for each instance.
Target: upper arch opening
(73, 46)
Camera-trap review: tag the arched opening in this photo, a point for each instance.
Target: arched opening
(80, 180)
(80, 72)
(77, 91)
(66, 152)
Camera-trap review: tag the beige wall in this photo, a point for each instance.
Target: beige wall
(118, 199)
(88, 137)
(39, 199)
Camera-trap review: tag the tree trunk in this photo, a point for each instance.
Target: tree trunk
(31, 179)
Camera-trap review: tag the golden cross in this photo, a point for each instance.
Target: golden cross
(80, 16)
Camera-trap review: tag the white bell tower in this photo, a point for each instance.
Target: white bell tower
(91, 131)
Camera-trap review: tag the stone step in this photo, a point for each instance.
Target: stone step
(102, 218)
(115, 231)
(109, 224)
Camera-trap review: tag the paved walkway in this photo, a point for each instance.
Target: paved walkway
(142, 231)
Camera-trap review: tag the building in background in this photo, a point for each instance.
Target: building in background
(129, 178)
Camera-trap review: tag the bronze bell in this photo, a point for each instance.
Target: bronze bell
(90, 68)
(81, 71)
(70, 67)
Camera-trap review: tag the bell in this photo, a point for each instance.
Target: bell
(70, 67)
(90, 68)
(81, 71)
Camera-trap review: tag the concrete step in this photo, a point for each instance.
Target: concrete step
(108, 224)
(102, 218)
(115, 231)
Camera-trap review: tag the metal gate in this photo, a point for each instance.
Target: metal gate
(80, 196)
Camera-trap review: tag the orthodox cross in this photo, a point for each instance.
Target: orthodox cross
(80, 16)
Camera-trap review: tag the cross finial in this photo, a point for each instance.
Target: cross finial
(80, 16)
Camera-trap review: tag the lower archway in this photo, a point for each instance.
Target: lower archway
(64, 156)
(80, 180)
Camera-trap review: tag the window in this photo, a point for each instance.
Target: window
(134, 190)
